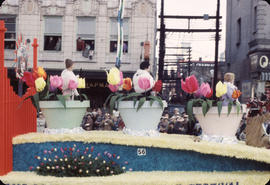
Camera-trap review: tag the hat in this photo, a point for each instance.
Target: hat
(144, 65)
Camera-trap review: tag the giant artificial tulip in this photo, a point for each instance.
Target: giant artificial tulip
(72, 85)
(55, 82)
(221, 89)
(236, 94)
(144, 83)
(127, 84)
(158, 86)
(40, 84)
(28, 79)
(114, 76)
(39, 72)
(113, 88)
(205, 90)
(190, 85)
(81, 83)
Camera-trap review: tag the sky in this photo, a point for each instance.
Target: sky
(203, 44)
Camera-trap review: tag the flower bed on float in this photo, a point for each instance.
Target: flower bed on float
(219, 122)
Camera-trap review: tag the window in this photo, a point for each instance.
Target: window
(255, 20)
(238, 32)
(86, 33)
(53, 33)
(10, 34)
(114, 35)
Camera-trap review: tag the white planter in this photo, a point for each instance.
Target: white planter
(223, 126)
(146, 119)
(59, 117)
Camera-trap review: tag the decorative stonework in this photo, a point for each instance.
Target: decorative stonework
(86, 7)
(29, 7)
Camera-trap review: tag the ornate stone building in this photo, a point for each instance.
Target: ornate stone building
(57, 24)
(248, 45)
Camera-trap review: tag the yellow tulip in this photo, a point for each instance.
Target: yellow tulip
(113, 77)
(81, 83)
(40, 84)
(221, 89)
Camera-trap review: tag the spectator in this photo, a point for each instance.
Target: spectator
(80, 44)
(58, 45)
(87, 123)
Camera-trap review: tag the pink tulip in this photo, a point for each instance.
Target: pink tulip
(144, 83)
(121, 79)
(190, 85)
(113, 88)
(55, 82)
(72, 84)
(205, 89)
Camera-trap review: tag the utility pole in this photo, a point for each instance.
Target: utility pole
(161, 43)
(216, 49)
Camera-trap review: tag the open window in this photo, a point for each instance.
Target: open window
(86, 33)
(53, 33)
(114, 35)
(10, 34)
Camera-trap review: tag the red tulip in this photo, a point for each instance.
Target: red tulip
(190, 85)
(144, 83)
(28, 79)
(158, 86)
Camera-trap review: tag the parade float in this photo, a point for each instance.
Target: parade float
(105, 157)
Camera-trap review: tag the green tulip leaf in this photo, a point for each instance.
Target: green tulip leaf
(238, 107)
(190, 109)
(62, 99)
(158, 99)
(230, 104)
(204, 108)
(141, 102)
(219, 105)
(209, 103)
(35, 101)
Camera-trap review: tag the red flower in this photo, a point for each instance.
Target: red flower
(158, 86)
(92, 148)
(190, 85)
(31, 91)
(28, 79)
(114, 155)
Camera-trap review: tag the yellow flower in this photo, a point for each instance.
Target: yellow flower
(113, 77)
(40, 84)
(221, 89)
(81, 84)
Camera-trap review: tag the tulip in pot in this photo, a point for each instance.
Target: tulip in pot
(55, 95)
(140, 110)
(219, 119)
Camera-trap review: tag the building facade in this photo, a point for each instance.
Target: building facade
(82, 30)
(248, 45)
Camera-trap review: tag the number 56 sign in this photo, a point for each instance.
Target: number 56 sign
(141, 151)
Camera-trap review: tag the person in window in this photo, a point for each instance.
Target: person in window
(58, 44)
(50, 44)
(80, 44)
(86, 51)
(125, 48)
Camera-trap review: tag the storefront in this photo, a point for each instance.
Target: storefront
(260, 74)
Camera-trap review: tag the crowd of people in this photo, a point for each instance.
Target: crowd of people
(171, 123)
(100, 119)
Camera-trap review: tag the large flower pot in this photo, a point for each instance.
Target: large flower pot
(59, 117)
(141, 122)
(219, 128)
